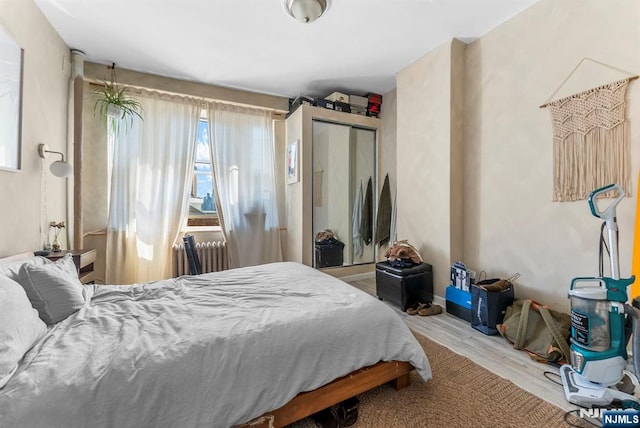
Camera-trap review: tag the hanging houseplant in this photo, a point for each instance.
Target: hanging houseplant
(114, 104)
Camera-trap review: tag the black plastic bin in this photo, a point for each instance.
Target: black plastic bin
(329, 253)
(488, 307)
(404, 286)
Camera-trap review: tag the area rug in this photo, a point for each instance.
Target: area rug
(461, 394)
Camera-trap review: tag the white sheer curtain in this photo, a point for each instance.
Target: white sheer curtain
(151, 173)
(243, 162)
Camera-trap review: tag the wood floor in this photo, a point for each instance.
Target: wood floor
(492, 352)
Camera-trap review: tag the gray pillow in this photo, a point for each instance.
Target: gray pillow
(54, 289)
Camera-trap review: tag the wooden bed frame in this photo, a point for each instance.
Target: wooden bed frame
(307, 403)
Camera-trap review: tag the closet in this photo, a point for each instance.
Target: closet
(338, 162)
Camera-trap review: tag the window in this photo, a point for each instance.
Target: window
(202, 204)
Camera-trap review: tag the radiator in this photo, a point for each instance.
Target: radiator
(212, 255)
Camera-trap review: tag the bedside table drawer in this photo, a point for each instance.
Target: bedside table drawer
(87, 277)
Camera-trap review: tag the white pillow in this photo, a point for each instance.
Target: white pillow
(54, 289)
(12, 267)
(20, 327)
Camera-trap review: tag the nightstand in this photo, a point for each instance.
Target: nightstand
(83, 259)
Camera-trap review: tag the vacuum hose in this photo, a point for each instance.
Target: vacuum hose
(635, 346)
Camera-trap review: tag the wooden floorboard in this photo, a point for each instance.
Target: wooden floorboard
(491, 352)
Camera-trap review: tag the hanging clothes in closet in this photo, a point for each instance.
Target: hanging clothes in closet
(366, 225)
(383, 219)
(356, 238)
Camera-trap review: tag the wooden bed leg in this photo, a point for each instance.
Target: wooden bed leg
(402, 381)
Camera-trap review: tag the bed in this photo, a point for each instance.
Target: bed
(264, 345)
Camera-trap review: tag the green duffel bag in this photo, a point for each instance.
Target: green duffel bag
(535, 328)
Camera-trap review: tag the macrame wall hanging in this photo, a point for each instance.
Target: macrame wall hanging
(591, 147)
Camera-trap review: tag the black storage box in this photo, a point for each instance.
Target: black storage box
(295, 103)
(321, 102)
(329, 254)
(488, 307)
(339, 106)
(404, 286)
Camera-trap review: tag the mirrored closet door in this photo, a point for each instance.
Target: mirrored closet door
(344, 183)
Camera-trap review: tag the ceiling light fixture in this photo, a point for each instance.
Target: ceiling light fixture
(306, 11)
(58, 168)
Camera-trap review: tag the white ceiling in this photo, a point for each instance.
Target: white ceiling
(358, 46)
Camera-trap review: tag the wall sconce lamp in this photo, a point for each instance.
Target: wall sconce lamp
(306, 11)
(58, 168)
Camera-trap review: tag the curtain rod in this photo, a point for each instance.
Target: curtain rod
(203, 100)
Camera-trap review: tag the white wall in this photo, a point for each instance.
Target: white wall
(30, 199)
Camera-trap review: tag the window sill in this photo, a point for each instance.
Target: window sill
(187, 229)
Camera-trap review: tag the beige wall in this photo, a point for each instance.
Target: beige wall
(30, 200)
(456, 172)
(95, 182)
(480, 103)
(280, 146)
(429, 157)
(387, 148)
(297, 228)
(511, 225)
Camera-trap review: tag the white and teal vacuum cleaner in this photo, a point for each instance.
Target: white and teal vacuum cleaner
(601, 326)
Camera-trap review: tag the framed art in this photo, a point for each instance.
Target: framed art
(11, 56)
(293, 170)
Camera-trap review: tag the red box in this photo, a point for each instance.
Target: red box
(374, 98)
(373, 110)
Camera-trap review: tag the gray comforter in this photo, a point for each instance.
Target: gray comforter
(211, 350)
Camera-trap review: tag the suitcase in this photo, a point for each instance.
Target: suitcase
(404, 286)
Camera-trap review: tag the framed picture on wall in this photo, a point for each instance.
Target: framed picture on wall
(293, 170)
(10, 102)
